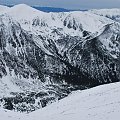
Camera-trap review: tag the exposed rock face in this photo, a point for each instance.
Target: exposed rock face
(23, 65)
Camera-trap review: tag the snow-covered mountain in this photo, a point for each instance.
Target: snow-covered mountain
(34, 20)
(3, 8)
(45, 56)
(21, 66)
(98, 103)
(113, 14)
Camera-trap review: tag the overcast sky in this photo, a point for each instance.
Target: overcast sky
(71, 4)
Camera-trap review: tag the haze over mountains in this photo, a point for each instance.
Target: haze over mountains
(45, 56)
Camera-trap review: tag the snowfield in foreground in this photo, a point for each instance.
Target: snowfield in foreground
(99, 103)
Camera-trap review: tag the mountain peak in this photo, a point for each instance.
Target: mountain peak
(23, 7)
(19, 6)
(24, 11)
(3, 8)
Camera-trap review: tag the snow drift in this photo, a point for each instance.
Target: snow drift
(99, 103)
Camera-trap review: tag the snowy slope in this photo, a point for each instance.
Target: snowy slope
(99, 103)
(25, 12)
(56, 25)
(38, 21)
(3, 8)
(9, 82)
(113, 14)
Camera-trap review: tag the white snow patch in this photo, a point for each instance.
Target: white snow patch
(99, 103)
(3, 9)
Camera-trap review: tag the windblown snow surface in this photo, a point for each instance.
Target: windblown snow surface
(99, 103)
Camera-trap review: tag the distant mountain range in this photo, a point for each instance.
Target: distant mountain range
(51, 9)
